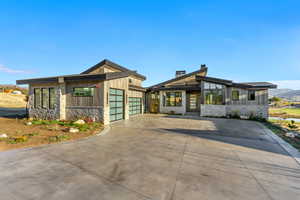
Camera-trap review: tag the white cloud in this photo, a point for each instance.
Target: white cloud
(288, 84)
(13, 71)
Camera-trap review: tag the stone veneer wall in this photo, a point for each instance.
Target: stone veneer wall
(207, 110)
(75, 113)
(43, 113)
(261, 111)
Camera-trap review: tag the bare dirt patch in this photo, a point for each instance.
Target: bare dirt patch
(21, 135)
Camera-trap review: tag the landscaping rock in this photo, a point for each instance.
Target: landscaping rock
(28, 123)
(290, 134)
(80, 121)
(73, 130)
(3, 135)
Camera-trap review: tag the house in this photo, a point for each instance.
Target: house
(198, 94)
(105, 92)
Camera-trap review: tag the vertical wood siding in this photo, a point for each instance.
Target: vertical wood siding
(261, 97)
(96, 100)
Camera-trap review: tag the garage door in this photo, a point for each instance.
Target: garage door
(135, 105)
(116, 104)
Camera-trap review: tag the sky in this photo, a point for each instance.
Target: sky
(238, 40)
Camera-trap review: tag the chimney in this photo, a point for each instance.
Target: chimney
(203, 66)
(180, 73)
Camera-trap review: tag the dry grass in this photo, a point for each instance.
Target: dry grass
(12, 100)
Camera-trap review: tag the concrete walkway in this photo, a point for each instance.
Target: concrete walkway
(158, 158)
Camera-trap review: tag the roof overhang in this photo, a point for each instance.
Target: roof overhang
(76, 77)
(113, 65)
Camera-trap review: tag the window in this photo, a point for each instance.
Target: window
(213, 93)
(37, 97)
(130, 80)
(83, 92)
(235, 95)
(173, 99)
(45, 98)
(251, 95)
(52, 98)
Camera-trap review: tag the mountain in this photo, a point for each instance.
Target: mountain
(292, 95)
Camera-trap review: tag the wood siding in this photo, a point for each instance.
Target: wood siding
(104, 69)
(96, 100)
(261, 97)
(135, 81)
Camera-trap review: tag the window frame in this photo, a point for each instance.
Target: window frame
(51, 107)
(212, 92)
(175, 95)
(47, 98)
(35, 98)
(92, 93)
(238, 95)
(251, 93)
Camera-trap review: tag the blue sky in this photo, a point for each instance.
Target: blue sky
(237, 40)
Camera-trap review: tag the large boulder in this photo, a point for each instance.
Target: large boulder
(80, 122)
(73, 130)
(3, 135)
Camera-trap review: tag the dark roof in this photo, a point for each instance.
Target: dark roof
(178, 87)
(113, 65)
(248, 85)
(76, 77)
(203, 69)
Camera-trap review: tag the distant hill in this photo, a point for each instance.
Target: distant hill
(13, 87)
(292, 95)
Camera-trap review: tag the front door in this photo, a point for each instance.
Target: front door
(192, 101)
(154, 102)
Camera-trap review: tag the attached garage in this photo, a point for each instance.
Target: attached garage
(116, 104)
(135, 105)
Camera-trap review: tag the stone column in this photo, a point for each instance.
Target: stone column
(62, 98)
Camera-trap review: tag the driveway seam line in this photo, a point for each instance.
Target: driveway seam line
(256, 180)
(94, 174)
(179, 169)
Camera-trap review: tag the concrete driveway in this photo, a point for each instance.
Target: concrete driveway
(158, 158)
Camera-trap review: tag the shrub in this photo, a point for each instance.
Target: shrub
(292, 125)
(31, 134)
(235, 114)
(58, 138)
(17, 139)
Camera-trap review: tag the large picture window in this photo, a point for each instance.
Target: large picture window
(213, 93)
(83, 92)
(44, 98)
(52, 98)
(235, 95)
(37, 97)
(173, 99)
(251, 95)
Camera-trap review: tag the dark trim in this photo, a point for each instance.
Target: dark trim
(113, 65)
(214, 80)
(253, 85)
(178, 87)
(204, 69)
(77, 77)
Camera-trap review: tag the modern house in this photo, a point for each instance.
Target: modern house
(197, 94)
(109, 92)
(105, 92)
